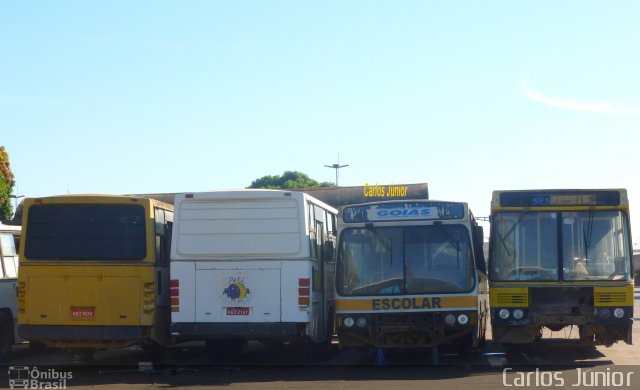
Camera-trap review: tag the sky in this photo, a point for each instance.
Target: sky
(125, 97)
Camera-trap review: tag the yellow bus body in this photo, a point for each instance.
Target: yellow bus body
(604, 294)
(94, 303)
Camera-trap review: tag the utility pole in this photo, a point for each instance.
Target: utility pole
(337, 167)
(16, 197)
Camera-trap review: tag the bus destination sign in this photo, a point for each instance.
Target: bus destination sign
(407, 211)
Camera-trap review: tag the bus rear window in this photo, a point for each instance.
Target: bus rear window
(85, 232)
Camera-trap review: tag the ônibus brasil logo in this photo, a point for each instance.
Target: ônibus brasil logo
(23, 377)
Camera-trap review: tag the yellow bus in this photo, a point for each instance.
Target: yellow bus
(410, 274)
(557, 259)
(94, 271)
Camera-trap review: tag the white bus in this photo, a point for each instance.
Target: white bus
(252, 265)
(8, 279)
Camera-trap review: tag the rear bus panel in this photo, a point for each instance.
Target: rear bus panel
(85, 313)
(241, 299)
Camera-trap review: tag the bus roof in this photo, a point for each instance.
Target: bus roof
(10, 228)
(87, 198)
(253, 194)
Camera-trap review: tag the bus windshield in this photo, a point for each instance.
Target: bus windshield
(591, 245)
(85, 232)
(405, 260)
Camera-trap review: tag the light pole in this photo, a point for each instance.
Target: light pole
(16, 197)
(336, 167)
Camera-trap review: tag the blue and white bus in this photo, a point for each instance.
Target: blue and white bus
(410, 274)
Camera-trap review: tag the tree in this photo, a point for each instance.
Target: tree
(6, 185)
(288, 180)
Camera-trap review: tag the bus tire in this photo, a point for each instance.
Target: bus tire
(6, 335)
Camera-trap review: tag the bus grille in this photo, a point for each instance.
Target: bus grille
(511, 297)
(610, 297)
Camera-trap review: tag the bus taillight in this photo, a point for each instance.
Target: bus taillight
(21, 295)
(149, 297)
(174, 285)
(304, 291)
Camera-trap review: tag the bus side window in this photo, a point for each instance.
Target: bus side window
(162, 234)
(9, 256)
(312, 233)
(320, 254)
(331, 224)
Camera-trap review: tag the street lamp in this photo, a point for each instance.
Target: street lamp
(16, 197)
(336, 167)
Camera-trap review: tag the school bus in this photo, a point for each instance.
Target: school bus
(94, 271)
(410, 274)
(561, 258)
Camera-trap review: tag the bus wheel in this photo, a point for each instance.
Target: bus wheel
(224, 351)
(6, 336)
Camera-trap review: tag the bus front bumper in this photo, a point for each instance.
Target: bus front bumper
(406, 330)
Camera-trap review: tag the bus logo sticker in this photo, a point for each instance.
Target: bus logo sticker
(236, 291)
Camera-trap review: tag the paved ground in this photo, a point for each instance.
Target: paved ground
(186, 366)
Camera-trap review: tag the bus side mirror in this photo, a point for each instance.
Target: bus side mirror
(478, 244)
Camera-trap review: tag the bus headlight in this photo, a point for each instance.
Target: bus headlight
(450, 319)
(361, 322)
(518, 314)
(604, 313)
(348, 322)
(503, 314)
(618, 313)
(463, 319)
(595, 311)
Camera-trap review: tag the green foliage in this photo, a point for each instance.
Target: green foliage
(6, 185)
(288, 180)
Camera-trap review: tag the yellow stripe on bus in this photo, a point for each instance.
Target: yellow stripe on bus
(406, 303)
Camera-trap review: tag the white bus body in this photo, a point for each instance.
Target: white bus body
(8, 282)
(252, 265)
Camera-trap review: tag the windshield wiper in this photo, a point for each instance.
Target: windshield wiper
(586, 235)
(509, 232)
(451, 240)
(379, 238)
(448, 236)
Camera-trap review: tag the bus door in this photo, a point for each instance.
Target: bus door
(319, 283)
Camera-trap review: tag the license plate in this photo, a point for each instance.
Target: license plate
(237, 311)
(83, 312)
